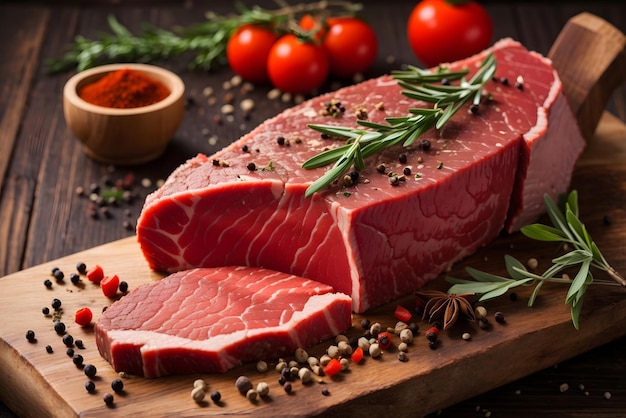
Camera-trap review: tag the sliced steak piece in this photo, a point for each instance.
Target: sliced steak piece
(210, 320)
(373, 241)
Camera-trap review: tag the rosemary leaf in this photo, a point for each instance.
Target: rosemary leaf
(566, 228)
(447, 100)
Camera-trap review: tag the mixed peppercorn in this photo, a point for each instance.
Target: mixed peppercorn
(375, 341)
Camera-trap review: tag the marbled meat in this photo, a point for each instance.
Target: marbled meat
(210, 320)
(373, 241)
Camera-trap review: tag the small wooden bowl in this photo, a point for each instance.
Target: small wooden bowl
(124, 136)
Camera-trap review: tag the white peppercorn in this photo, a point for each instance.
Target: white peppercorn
(301, 355)
(375, 350)
(261, 366)
(263, 389)
(406, 335)
(197, 394)
(305, 375)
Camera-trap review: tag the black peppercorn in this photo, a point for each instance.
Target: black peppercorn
(406, 171)
(251, 166)
(30, 336)
(280, 140)
(216, 396)
(58, 275)
(74, 278)
(68, 340)
(123, 286)
(365, 323)
(90, 370)
(499, 317)
(47, 283)
(79, 344)
(77, 359)
(425, 144)
(56, 303)
(90, 386)
(59, 327)
(402, 158)
(117, 385)
(45, 310)
(49, 349)
(108, 399)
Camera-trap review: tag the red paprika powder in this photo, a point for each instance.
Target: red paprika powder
(124, 89)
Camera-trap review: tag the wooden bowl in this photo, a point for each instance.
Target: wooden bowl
(124, 136)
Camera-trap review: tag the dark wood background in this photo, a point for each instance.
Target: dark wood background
(41, 164)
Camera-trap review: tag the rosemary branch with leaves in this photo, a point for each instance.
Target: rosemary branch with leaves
(568, 229)
(374, 137)
(207, 40)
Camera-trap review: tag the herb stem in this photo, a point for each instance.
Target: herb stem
(374, 137)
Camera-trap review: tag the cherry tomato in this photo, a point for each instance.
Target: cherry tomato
(96, 274)
(351, 45)
(308, 23)
(439, 31)
(295, 66)
(247, 50)
(109, 285)
(83, 317)
(402, 314)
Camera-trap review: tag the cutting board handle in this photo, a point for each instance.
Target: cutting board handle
(590, 56)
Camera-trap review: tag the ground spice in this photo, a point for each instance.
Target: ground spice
(124, 89)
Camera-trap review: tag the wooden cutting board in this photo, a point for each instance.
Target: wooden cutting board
(36, 383)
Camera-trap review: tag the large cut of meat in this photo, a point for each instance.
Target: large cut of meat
(374, 241)
(210, 320)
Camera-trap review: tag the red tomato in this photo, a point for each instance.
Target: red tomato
(297, 67)
(247, 50)
(441, 32)
(351, 45)
(402, 314)
(83, 317)
(308, 23)
(96, 274)
(109, 285)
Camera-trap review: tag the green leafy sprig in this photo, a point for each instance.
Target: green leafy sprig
(206, 40)
(374, 137)
(585, 255)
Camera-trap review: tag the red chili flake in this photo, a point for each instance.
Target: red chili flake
(83, 316)
(109, 285)
(332, 368)
(384, 340)
(402, 314)
(96, 274)
(357, 355)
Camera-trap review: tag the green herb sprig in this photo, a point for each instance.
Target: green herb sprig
(568, 229)
(206, 40)
(374, 137)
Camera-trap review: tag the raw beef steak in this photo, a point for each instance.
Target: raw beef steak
(373, 241)
(210, 320)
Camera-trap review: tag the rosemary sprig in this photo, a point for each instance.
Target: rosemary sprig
(567, 228)
(374, 137)
(207, 39)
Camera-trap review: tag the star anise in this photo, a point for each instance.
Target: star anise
(448, 307)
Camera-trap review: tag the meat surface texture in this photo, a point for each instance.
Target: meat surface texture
(210, 320)
(373, 241)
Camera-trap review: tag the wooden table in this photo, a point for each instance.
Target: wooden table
(41, 164)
